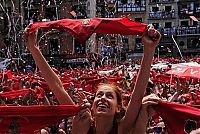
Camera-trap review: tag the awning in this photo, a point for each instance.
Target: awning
(193, 18)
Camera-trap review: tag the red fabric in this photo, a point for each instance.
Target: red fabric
(40, 93)
(66, 86)
(73, 13)
(45, 86)
(77, 85)
(9, 74)
(115, 79)
(156, 118)
(165, 78)
(16, 86)
(29, 119)
(194, 97)
(88, 88)
(88, 77)
(185, 71)
(194, 81)
(6, 89)
(95, 81)
(81, 29)
(176, 116)
(15, 93)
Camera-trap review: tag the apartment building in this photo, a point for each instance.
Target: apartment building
(188, 30)
(177, 20)
(136, 11)
(163, 15)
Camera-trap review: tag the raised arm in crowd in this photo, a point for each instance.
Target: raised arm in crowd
(106, 114)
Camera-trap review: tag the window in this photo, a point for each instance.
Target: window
(168, 24)
(138, 19)
(184, 6)
(181, 43)
(124, 1)
(193, 43)
(50, 13)
(125, 44)
(9, 10)
(54, 49)
(156, 25)
(138, 2)
(36, 2)
(138, 45)
(168, 8)
(79, 48)
(155, 9)
(184, 23)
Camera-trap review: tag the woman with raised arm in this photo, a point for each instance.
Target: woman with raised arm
(107, 106)
(107, 111)
(49, 75)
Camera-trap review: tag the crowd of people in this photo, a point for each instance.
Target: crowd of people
(113, 99)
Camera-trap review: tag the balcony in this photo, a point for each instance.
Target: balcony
(162, 15)
(180, 31)
(161, 1)
(131, 8)
(185, 13)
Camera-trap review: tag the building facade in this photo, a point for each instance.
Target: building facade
(188, 30)
(177, 20)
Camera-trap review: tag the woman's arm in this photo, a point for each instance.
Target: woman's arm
(150, 39)
(49, 75)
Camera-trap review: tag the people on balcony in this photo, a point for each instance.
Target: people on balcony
(162, 14)
(180, 30)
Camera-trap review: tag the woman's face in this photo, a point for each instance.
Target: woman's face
(105, 102)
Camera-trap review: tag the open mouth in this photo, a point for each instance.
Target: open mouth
(102, 105)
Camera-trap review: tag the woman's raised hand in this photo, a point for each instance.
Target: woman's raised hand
(147, 102)
(82, 121)
(150, 38)
(30, 38)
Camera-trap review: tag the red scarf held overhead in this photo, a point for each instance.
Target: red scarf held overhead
(178, 118)
(82, 29)
(30, 119)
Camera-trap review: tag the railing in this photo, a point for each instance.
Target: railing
(187, 12)
(160, 1)
(180, 30)
(131, 8)
(162, 15)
